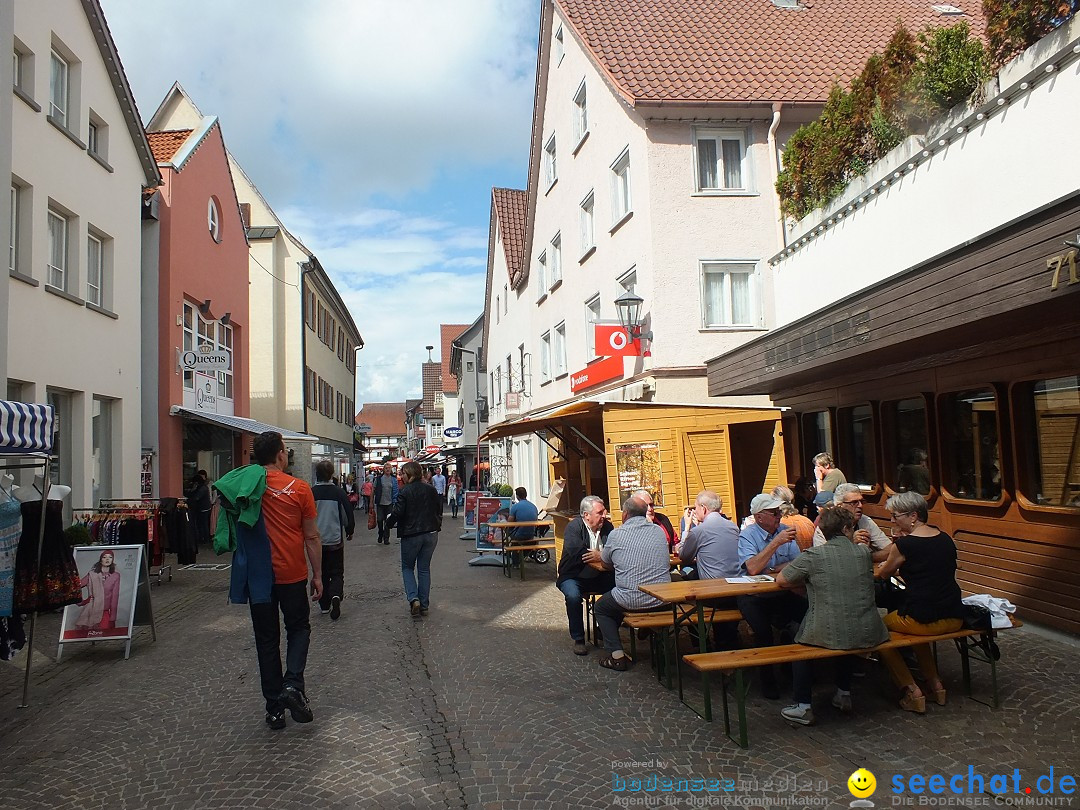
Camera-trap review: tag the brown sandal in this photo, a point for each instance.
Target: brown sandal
(617, 664)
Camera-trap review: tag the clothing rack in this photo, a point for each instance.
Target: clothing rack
(109, 508)
(26, 440)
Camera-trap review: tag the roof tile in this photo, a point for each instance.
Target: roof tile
(165, 143)
(511, 207)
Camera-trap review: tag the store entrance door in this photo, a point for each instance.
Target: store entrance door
(755, 469)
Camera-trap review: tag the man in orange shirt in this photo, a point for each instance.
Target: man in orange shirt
(288, 511)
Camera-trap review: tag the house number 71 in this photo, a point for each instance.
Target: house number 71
(1057, 262)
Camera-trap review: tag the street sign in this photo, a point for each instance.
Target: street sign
(363, 427)
(205, 359)
(453, 432)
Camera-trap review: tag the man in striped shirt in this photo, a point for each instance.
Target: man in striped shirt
(637, 552)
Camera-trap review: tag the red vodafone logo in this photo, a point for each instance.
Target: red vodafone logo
(612, 341)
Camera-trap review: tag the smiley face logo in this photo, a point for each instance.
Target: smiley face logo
(862, 784)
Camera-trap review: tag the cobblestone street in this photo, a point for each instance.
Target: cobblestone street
(481, 705)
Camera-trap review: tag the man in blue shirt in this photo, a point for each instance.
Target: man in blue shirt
(520, 512)
(712, 545)
(765, 547)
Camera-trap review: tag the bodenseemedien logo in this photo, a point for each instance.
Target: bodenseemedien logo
(862, 785)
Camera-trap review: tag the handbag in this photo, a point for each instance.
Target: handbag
(354, 499)
(977, 617)
(371, 519)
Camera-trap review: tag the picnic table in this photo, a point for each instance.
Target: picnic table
(513, 554)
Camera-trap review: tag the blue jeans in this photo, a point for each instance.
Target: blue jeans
(573, 590)
(416, 552)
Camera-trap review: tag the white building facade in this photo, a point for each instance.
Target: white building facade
(79, 163)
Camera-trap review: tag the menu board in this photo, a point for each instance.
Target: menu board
(638, 467)
(490, 509)
(470, 509)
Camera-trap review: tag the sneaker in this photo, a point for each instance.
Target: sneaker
(297, 704)
(414, 607)
(323, 612)
(580, 648)
(842, 702)
(797, 714)
(276, 720)
(335, 608)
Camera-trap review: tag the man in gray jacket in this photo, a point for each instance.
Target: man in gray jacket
(334, 518)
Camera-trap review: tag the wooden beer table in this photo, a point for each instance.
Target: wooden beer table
(513, 554)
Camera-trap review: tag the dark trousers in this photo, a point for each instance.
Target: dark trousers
(333, 574)
(381, 514)
(292, 599)
(802, 676)
(573, 591)
(725, 634)
(453, 507)
(609, 615)
(763, 613)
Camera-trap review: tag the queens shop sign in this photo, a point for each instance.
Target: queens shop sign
(205, 359)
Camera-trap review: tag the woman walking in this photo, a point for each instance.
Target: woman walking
(453, 487)
(417, 514)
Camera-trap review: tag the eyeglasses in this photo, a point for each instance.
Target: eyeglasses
(859, 502)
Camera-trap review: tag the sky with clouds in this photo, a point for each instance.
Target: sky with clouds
(375, 129)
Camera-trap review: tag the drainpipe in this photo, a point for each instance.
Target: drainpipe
(774, 162)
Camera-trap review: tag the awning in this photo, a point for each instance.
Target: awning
(240, 424)
(541, 420)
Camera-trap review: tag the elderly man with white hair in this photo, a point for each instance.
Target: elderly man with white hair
(587, 532)
(850, 497)
(712, 544)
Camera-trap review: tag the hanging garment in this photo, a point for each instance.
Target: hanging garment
(10, 527)
(56, 582)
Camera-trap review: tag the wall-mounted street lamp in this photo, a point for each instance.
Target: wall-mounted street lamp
(628, 306)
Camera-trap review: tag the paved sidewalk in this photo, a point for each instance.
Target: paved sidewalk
(480, 705)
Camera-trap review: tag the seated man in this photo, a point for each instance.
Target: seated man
(828, 476)
(765, 547)
(637, 552)
(659, 518)
(867, 532)
(523, 510)
(712, 543)
(587, 532)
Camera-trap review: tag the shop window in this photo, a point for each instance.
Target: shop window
(816, 438)
(1048, 436)
(906, 442)
(970, 447)
(855, 427)
(101, 420)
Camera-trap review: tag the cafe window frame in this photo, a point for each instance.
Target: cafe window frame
(845, 448)
(946, 428)
(809, 452)
(1020, 409)
(889, 461)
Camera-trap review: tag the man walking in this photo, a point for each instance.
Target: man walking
(385, 496)
(587, 532)
(439, 482)
(335, 522)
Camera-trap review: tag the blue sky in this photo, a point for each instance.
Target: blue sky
(375, 129)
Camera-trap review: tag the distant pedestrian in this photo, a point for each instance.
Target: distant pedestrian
(386, 495)
(336, 524)
(453, 489)
(417, 514)
(439, 482)
(198, 498)
(366, 490)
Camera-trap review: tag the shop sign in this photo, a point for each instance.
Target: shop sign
(205, 400)
(453, 432)
(205, 359)
(432, 449)
(612, 341)
(362, 428)
(638, 467)
(610, 368)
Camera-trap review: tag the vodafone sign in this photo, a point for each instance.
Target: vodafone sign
(609, 368)
(612, 341)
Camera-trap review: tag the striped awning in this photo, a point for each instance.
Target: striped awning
(25, 428)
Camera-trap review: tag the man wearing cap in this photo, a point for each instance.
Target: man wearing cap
(765, 547)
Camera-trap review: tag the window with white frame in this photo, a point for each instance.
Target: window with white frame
(13, 230)
(592, 315)
(509, 374)
(541, 275)
(506, 298)
(588, 239)
(57, 268)
(189, 342)
(213, 219)
(720, 155)
(555, 269)
(628, 281)
(496, 384)
(551, 169)
(525, 366)
(59, 72)
(97, 137)
(17, 62)
(559, 349)
(728, 295)
(581, 112)
(498, 309)
(560, 46)
(545, 357)
(620, 187)
(225, 344)
(95, 263)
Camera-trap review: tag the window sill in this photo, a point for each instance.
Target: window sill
(735, 192)
(594, 360)
(587, 254)
(67, 132)
(545, 382)
(562, 375)
(27, 98)
(49, 288)
(555, 285)
(996, 503)
(1046, 508)
(542, 298)
(551, 185)
(101, 161)
(580, 143)
(108, 313)
(621, 221)
(33, 282)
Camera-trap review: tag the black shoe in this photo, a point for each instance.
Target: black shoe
(769, 689)
(423, 611)
(297, 704)
(335, 607)
(276, 720)
(414, 607)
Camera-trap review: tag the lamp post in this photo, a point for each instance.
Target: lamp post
(629, 306)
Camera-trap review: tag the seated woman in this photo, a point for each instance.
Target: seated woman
(839, 580)
(926, 559)
(790, 516)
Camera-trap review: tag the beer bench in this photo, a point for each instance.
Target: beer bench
(664, 623)
(977, 643)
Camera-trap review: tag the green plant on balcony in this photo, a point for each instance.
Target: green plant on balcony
(1013, 25)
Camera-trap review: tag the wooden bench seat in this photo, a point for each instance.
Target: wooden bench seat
(664, 621)
(514, 553)
(527, 546)
(968, 642)
(654, 620)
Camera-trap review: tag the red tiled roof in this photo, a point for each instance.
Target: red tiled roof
(385, 418)
(699, 51)
(448, 333)
(165, 143)
(511, 207)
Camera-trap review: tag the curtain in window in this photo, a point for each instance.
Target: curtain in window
(57, 239)
(58, 89)
(732, 164)
(740, 298)
(715, 311)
